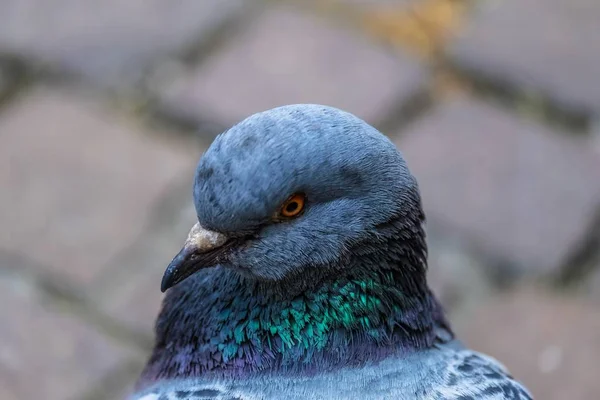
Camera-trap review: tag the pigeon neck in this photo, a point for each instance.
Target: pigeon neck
(378, 307)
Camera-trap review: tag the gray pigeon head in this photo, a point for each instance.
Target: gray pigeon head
(290, 189)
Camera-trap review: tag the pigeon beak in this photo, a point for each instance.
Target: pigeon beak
(202, 249)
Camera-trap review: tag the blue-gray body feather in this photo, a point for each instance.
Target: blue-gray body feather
(446, 372)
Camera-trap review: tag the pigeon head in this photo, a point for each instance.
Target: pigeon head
(309, 253)
(291, 193)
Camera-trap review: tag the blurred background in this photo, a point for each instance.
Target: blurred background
(106, 106)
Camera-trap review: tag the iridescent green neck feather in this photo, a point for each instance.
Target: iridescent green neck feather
(376, 304)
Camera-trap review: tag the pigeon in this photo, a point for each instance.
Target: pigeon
(304, 277)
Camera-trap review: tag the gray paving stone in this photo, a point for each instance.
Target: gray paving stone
(288, 56)
(12, 74)
(45, 350)
(127, 391)
(456, 275)
(77, 181)
(593, 285)
(595, 137)
(107, 41)
(546, 45)
(520, 191)
(548, 341)
(366, 4)
(4, 80)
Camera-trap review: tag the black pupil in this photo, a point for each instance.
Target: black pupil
(291, 207)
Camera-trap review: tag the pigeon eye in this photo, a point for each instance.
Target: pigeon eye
(293, 206)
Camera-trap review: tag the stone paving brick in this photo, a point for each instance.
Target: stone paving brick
(421, 26)
(593, 286)
(548, 341)
(12, 74)
(521, 191)
(43, 350)
(596, 137)
(547, 45)
(456, 275)
(107, 40)
(77, 181)
(119, 384)
(4, 80)
(132, 294)
(288, 56)
(374, 3)
(126, 392)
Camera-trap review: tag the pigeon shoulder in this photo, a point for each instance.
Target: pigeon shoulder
(188, 392)
(470, 375)
(449, 374)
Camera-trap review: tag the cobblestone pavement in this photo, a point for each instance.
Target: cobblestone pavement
(105, 107)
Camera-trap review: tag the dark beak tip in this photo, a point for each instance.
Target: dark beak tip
(181, 267)
(187, 262)
(165, 284)
(167, 281)
(173, 274)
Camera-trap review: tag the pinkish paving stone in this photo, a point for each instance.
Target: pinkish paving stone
(45, 350)
(78, 182)
(108, 41)
(289, 56)
(130, 288)
(547, 340)
(521, 191)
(373, 3)
(550, 46)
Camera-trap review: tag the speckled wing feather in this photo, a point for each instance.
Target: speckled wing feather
(203, 392)
(446, 373)
(473, 376)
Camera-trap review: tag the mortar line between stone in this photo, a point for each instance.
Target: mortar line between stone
(546, 110)
(57, 290)
(584, 258)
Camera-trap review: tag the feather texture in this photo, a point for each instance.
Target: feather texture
(445, 373)
(331, 305)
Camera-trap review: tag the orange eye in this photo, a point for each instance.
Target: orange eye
(293, 206)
